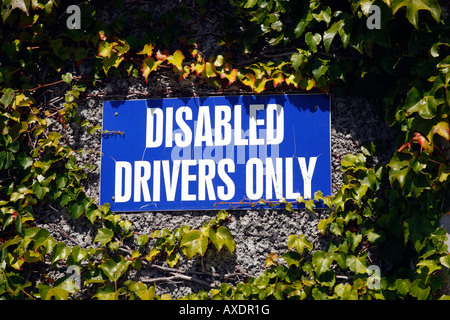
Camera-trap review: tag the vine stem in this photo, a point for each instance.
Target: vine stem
(47, 84)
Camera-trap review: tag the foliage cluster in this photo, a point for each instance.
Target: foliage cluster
(385, 214)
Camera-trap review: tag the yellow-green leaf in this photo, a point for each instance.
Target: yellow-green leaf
(413, 7)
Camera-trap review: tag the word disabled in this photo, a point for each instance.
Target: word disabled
(218, 152)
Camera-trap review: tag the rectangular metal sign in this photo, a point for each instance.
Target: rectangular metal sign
(214, 152)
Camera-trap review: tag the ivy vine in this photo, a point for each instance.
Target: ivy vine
(385, 214)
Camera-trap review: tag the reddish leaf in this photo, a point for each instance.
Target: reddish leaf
(161, 56)
(231, 77)
(149, 65)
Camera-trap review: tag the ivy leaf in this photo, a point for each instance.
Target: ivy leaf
(231, 77)
(271, 260)
(76, 210)
(106, 293)
(277, 77)
(67, 78)
(442, 129)
(313, 41)
(250, 3)
(402, 286)
(419, 290)
(60, 252)
(47, 292)
(222, 236)
(321, 262)
(445, 261)
(346, 292)
(425, 105)
(356, 264)
(148, 50)
(149, 65)
(104, 236)
(152, 255)
(354, 239)
(20, 4)
(249, 80)
(177, 60)
(292, 258)
(299, 243)
(141, 290)
(113, 61)
(192, 243)
(399, 170)
(260, 85)
(7, 97)
(413, 7)
(319, 69)
(300, 28)
(172, 259)
(115, 267)
(297, 60)
(199, 66)
(39, 191)
(105, 48)
(210, 70)
(329, 35)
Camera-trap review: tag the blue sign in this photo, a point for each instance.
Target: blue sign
(214, 152)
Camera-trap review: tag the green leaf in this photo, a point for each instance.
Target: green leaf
(192, 243)
(250, 4)
(313, 41)
(112, 61)
(67, 78)
(222, 236)
(329, 35)
(419, 290)
(7, 97)
(319, 69)
(354, 239)
(322, 262)
(39, 191)
(60, 252)
(115, 267)
(445, 261)
(78, 254)
(300, 28)
(402, 286)
(399, 170)
(142, 240)
(356, 264)
(76, 209)
(425, 105)
(104, 236)
(413, 7)
(141, 290)
(299, 243)
(292, 258)
(346, 292)
(297, 60)
(106, 293)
